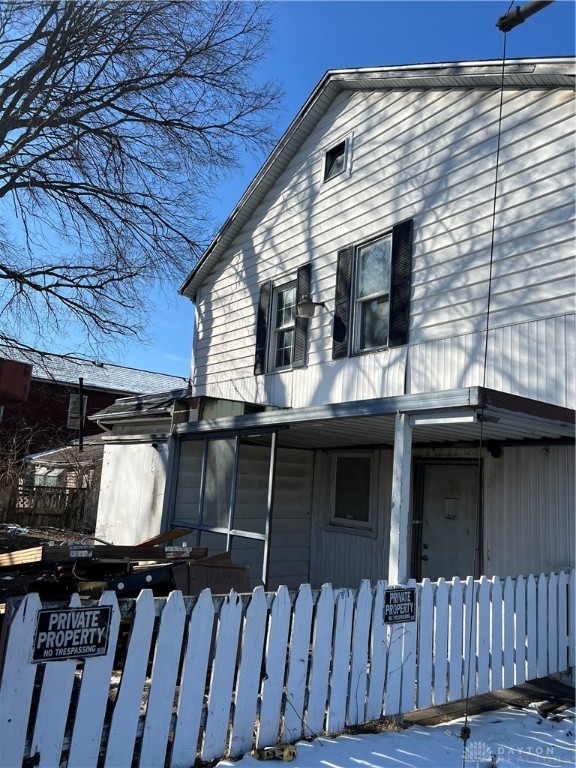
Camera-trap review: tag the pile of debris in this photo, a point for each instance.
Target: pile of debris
(89, 567)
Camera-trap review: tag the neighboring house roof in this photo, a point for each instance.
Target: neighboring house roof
(159, 404)
(519, 73)
(66, 455)
(95, 374)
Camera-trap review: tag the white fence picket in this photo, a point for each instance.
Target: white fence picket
(531, 628)
(508, 626)
(249, 673)
(320, 662)
(126, 715)
(542, 619)
(374, 705)
(298, 665)
(441, 623)
(520, 631)
(552, 623)
(408, 695)
(496, 635)
(93, 697)
(562, 621)
(193, 682)
(163, 682)
(17, 682)
(338, 696)
(53, 706)
(273, 688)
(470, 615)
(359, 660)
(395, 633)
(425, 645)
(455, 650)
(222, 680)
(483, 636)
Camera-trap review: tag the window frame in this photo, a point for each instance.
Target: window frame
(358, 303)
(346, 141)
(274, 330)
(361, 527)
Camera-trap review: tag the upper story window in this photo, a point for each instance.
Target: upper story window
(373, 282)
(372, 294)
(284, 318)
(335, 161)
(281, 336)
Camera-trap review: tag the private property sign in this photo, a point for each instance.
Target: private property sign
(72, 633)
(400, 605)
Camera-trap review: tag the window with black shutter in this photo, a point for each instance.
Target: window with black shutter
(281, 336)
(373, 282)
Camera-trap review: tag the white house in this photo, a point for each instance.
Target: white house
(420, 422)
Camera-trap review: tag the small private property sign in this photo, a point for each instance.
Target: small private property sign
(72, 633)
(400, 605)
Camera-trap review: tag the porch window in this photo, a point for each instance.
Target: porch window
(352, 490)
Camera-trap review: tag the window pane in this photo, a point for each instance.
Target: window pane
(352, 499)
(284, 341)
(335, 158)
(373, 268)
(219, 469)
(374, 323)
(286, 307)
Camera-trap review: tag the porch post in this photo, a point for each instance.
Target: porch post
(399, 519)
(269, 509)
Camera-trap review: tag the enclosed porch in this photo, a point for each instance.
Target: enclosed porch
(456, 483)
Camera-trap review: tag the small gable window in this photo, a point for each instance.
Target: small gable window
(281, 336)
(335, 161)
(373, 282)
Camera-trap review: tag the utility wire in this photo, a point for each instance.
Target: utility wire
(465, 731)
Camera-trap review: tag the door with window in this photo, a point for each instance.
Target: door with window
(446, 526)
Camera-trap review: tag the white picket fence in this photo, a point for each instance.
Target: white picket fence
(213, 676)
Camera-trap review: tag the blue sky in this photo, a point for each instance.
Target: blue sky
(311, 37)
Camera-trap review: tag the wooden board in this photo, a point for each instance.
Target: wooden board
(83, 552)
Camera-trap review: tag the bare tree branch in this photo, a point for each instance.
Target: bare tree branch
(115, 120)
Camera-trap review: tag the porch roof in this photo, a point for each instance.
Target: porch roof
(451, 416)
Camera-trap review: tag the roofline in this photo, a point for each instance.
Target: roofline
(338, 80)
(475, 398)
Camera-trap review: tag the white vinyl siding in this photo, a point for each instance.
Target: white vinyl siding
(527, 527)
(438, 170)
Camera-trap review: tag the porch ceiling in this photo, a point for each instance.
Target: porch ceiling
(453, 416)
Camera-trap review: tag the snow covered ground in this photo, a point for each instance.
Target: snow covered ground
(506, 738)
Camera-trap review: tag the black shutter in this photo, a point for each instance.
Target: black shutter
(342, 304)
(303, 288)
(400, 280)
(262, 319)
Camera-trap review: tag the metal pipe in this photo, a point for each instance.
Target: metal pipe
(80, 415)
(520, 13)
(269, 509)
(232, 507)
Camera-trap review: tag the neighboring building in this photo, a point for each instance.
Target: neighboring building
(50, 417)
(353, 448)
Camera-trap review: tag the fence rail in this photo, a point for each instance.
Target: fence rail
(212, 676)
